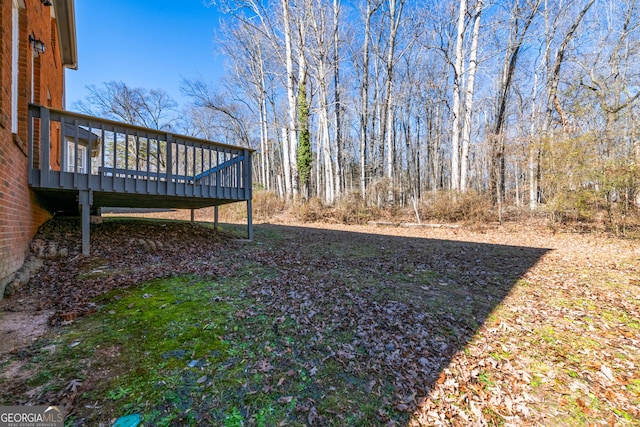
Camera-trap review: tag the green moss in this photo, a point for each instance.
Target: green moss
(485, 379)
(634, 387)
(536, 381)
(501, 355)
(153, 343)
(573, 374)
(547, 334)
(625, 415)
(163, 346)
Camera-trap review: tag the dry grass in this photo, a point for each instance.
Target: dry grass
(470, 209)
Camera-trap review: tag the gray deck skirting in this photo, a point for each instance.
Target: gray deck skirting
(102, 163)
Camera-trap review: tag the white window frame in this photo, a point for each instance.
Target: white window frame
(15, 68)
(71, 157)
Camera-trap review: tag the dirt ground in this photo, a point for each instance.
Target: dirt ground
(19, 329)
(562, 342)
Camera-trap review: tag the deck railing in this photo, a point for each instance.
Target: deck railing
(107, 156)
(107, 163)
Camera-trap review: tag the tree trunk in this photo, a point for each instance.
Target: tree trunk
(264, 132)
(289, 144)
(496, 139)
(338, 107)
(468, 100)
(364, 103)
(286, 162)
(394, 23)
(457, 104)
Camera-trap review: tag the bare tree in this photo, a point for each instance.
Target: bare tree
(511, 73)
(320, 45)
(518, 31)
(372, 7)
(291, 136)
(153, 108)
(395, 17)
(230, 114)
(458, 71)
(338, 106)
(468, 98)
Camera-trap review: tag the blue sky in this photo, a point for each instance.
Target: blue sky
(143, 43)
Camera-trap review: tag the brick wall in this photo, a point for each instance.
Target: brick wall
(20, 213)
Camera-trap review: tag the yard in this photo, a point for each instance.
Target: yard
(329, 325)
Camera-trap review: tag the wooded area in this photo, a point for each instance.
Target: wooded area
(525, 102)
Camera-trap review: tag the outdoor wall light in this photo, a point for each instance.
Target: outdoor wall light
(47, 2)
(38, 45)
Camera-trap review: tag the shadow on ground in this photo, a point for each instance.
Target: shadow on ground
(402, 306)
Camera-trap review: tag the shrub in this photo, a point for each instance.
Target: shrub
(467, 207)
(310, 211)
(266, 205)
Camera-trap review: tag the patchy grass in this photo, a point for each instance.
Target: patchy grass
(184, 351)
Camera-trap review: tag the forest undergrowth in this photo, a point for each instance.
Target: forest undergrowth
(470, 209)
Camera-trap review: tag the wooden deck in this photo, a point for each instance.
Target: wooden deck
(103, 163)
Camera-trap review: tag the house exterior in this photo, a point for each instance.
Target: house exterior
(56, 160)
(37, 44)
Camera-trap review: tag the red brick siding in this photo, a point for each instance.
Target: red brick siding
(20, 213)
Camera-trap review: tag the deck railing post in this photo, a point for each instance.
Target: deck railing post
(88, 157)
(30, 144)
(170, 183)
(45, 135)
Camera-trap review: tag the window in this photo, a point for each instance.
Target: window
(78, 165)
(15, 51)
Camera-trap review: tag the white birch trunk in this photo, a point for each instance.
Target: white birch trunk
(318, 168)
(263, 145)
(457, 89)
(281, 190)
(394, 18)
(289, 144)
(323, 123)
(468, 100)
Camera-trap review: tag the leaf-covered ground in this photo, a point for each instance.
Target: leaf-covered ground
(334, 325)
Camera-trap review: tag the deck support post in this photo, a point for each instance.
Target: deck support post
(85, 201)
(215, 217)
(249, 220)
(248, 191)
(193, 216)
